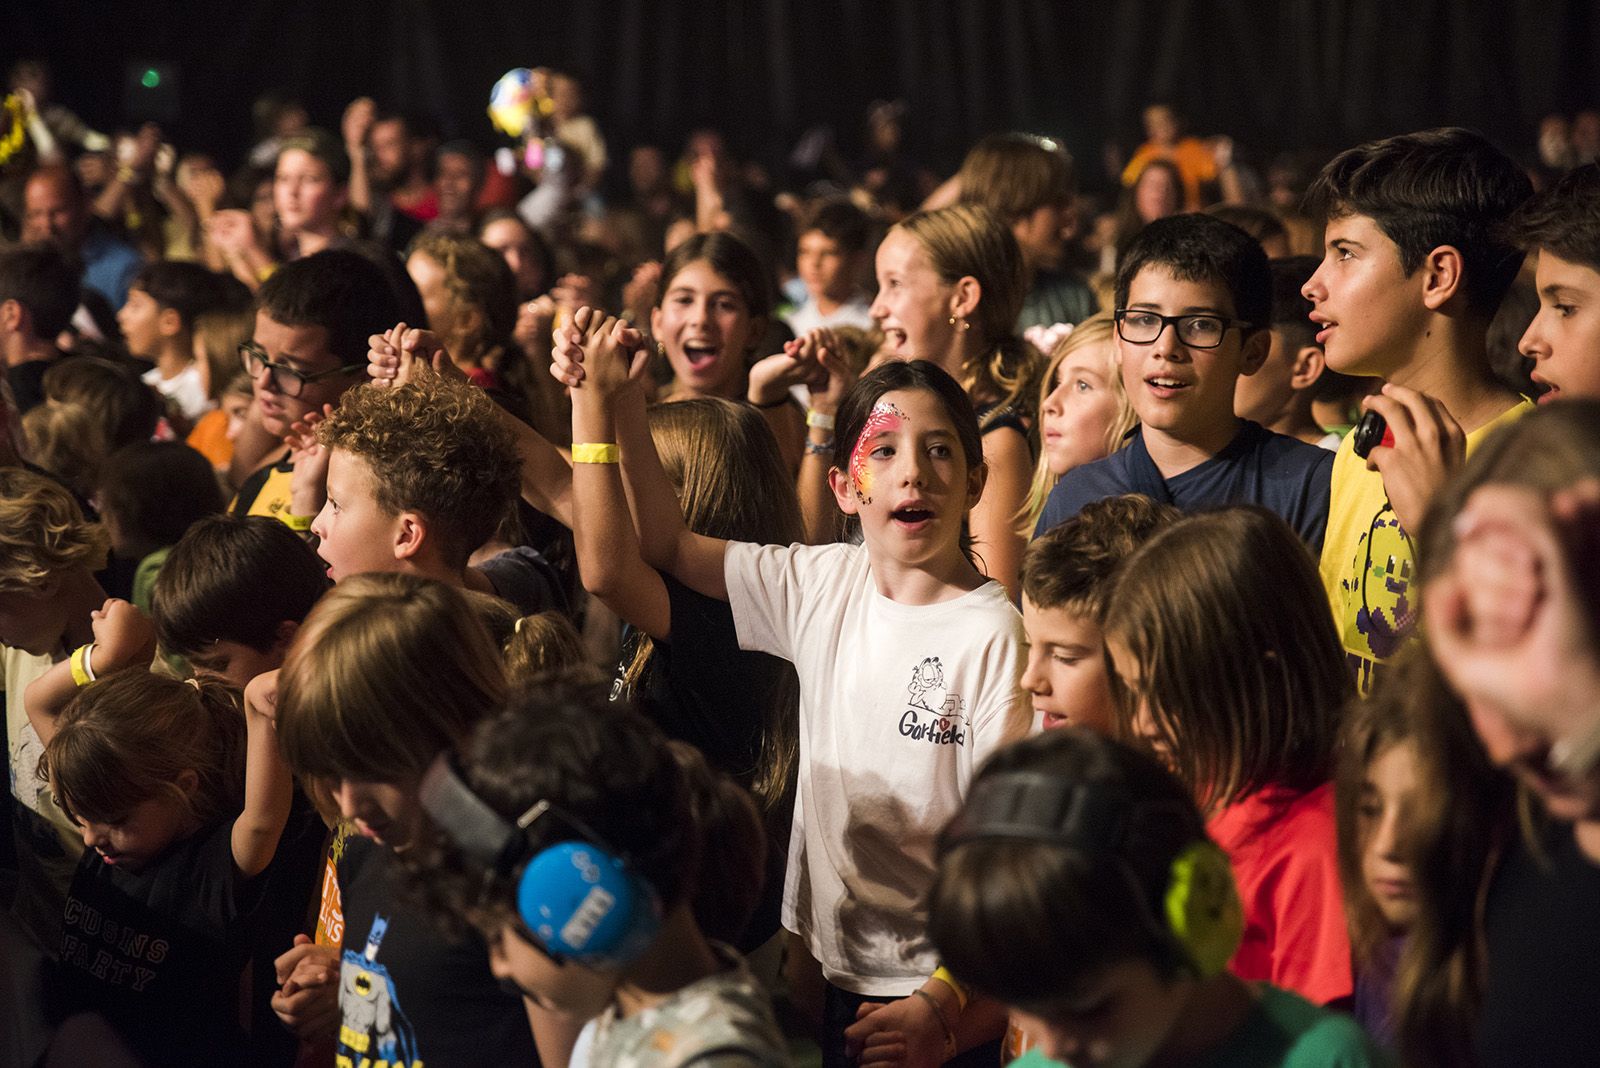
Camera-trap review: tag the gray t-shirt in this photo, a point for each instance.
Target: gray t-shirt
(723, 1021)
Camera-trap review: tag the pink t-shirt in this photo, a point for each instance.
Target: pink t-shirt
(1285, 857)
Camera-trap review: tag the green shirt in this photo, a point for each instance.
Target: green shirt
(1283, 1030)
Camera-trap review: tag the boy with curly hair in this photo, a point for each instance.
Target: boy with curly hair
(420, 477)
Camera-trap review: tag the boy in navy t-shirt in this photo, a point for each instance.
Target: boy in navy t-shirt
(1194, 299)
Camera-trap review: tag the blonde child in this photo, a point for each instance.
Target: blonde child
(908, 659)
(1231, 672)
(1084, 413)
(49, 554)
(950, 287)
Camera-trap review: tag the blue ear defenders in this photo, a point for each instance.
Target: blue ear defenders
(577, 898)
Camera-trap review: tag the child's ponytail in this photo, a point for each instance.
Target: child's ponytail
(129, 737)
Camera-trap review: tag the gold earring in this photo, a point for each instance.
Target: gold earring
(960, 323)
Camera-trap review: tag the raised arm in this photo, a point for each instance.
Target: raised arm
(818, 509)
(695, 560)
(609, 558)
(268, 785)
(393, 357)
(993, 519)
(124, 637)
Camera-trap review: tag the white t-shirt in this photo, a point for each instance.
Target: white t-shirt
(899, 704)
(185, 389)
(852, 313)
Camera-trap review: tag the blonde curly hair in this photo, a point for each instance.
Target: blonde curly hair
(43, 532)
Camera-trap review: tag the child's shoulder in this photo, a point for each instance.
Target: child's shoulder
(1314, 1037)
(1281, 451)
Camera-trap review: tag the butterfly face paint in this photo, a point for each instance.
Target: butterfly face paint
(884, 418)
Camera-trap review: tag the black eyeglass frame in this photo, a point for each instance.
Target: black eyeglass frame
(250, 352)
(1177, 323)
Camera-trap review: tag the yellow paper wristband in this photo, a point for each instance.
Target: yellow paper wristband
(82, 671)
(592, 453)
(944, 976)
(820, 420)
(297, 522)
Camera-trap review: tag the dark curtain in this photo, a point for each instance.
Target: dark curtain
(1276, 74)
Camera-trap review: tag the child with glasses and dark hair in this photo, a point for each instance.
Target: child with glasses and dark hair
(313, 318)
(1415, 265)
(1194, 307)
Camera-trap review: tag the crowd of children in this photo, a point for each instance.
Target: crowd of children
(448, 618)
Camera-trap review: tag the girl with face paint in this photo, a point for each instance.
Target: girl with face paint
(908, 660)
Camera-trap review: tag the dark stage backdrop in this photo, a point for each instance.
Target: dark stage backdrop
(1311, 74)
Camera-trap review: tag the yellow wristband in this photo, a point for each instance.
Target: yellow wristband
(820, 420)
(296, 522)
(944, 976)
(82, 670)
(590, 453)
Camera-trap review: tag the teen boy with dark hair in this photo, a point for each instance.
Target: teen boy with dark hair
(1194, 300)
(1028, 182)
(313, 318)
(1415, 265)
(1562, 225)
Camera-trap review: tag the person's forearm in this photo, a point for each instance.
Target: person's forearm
(657, 514)
(546, 471)
(819, 513)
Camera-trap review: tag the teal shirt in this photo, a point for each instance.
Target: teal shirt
(1283, 1031)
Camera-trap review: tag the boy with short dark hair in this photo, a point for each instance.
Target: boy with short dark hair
(420, 476)
(1562, 225)
(313, 318)
(39, 288)
(1028, 182)
(832, 259)
(157, 321)
(232, 594)
(229, 600)
(1066, 577)
(1415, 266)
(1194, 299)
(1280, 395)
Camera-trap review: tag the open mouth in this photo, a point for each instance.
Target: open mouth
(1165, 386)
(700, 355)
(1551, 390)
(894, 338)
(911, 516)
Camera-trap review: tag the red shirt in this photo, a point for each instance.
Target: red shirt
(1285, 858)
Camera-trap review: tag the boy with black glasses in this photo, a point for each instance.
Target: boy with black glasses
(1194, 301)
(313, 318)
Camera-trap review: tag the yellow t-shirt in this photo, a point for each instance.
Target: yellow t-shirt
(267, 492)
(1367, 565)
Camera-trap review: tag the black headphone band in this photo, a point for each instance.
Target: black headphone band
(480, 832)
(1036, 807)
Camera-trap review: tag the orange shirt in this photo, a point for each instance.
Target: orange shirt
(1195, 162)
